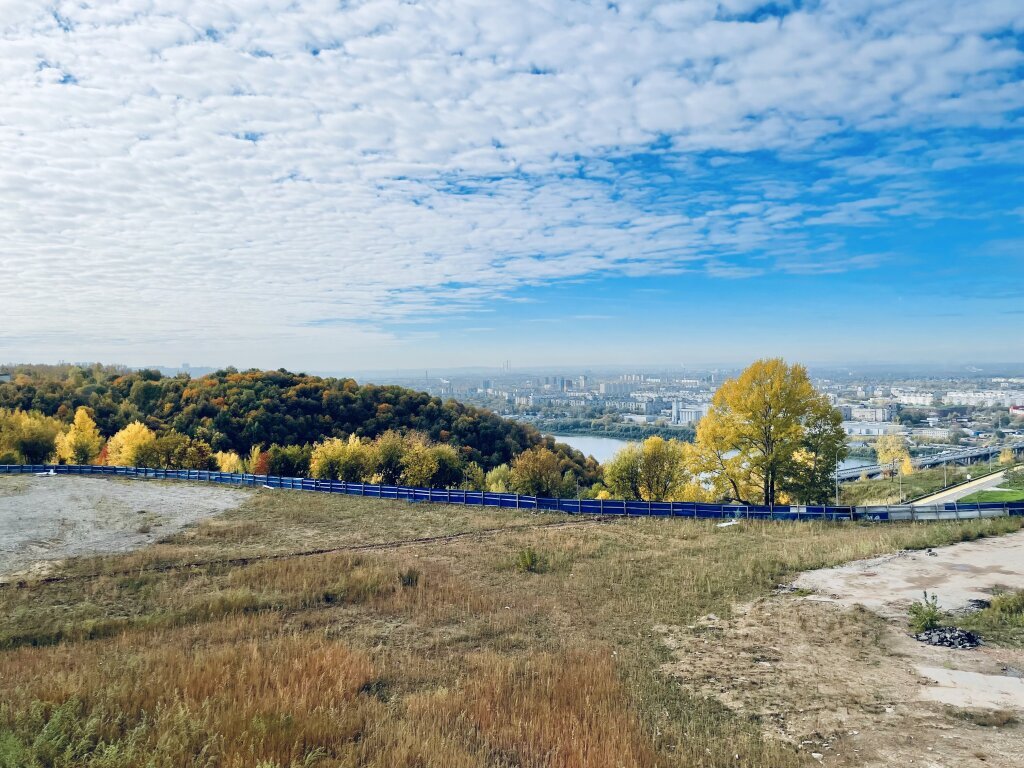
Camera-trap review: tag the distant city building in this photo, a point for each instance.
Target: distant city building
(985, 398)
(873, 428)
(872, 413)
(616, 388)
(682, 413)
(932, 433)
(924, 399)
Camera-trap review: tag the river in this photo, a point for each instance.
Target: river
(603, 448)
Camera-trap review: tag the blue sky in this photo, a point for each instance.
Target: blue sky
(430, 184)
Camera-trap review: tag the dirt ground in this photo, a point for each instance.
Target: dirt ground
(956, 575)
(47, 519)
(837, 673)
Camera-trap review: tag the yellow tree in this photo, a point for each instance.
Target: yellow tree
(655, 470)
(1006, 457)
(228, 461)
(754, 428)
(27, 437)
(891, 451)
(419, 462)
(123, 448)
(336, 459)
(82, 443)
(537, 472)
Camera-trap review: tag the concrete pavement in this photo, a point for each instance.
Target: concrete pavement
(955, 494)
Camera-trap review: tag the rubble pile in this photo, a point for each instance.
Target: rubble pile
(950, 637)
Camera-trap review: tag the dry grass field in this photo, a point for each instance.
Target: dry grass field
(468, 651)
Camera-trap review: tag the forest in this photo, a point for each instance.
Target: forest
(233, 411)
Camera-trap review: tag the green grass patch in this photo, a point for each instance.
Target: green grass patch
(986, 497)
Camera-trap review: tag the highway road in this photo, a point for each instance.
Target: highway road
(955, 494)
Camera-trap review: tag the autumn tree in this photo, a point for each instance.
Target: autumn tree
(82, 442)
(351, 460)
(755, 428)
(419, 462)
(891, 451)
(654, 470)
(228, 461)
(27, 437)
(537, 472)
(123, 448)
(388, 455)
(173, 450)
(812, 476)
(499, 479)
(474, 478)
(289, 460)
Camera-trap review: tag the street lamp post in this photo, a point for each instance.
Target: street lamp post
(837, 477)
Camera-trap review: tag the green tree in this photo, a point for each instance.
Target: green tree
(812, 475)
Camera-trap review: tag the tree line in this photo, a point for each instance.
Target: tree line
(768, 438)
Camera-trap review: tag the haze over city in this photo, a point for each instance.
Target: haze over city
(331, 187)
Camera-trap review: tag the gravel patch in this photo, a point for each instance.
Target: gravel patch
(47, 519)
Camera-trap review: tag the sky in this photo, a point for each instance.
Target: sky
(370, 185)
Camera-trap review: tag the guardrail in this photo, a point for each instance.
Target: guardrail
(686, 509)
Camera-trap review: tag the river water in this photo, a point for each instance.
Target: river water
(603, 448)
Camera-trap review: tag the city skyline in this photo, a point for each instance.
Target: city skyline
(438, 185)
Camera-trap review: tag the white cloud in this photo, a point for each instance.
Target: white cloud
(187, 170)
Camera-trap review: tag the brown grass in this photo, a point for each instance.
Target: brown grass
(332, 660)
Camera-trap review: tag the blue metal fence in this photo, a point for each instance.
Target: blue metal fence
(688, 509)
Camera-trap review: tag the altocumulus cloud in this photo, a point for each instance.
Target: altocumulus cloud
(307, 171)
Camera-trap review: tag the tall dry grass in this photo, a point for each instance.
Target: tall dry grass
(336, 660)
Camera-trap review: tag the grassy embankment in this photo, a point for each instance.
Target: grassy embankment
(886, 490)
(1011, 489)
(441, 654)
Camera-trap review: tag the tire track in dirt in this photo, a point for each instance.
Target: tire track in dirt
(243, 561)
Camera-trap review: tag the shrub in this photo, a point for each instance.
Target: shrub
(925, 615)
(528, 561)
(409, 577)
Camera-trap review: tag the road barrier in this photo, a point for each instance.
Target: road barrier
(686, 509)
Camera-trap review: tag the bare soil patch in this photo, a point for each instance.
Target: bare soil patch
(47, 519)
(956, 575)
(837, 673)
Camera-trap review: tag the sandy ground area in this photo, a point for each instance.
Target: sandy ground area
(956, 575)
(837, 673)
(46, 519)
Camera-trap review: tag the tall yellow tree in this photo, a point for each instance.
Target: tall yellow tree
(82, 443)
(892, 451)
(755, 427)
(123, 448)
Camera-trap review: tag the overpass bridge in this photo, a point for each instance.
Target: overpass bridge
(962, 457)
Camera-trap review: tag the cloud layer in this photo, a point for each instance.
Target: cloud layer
(273, 171)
